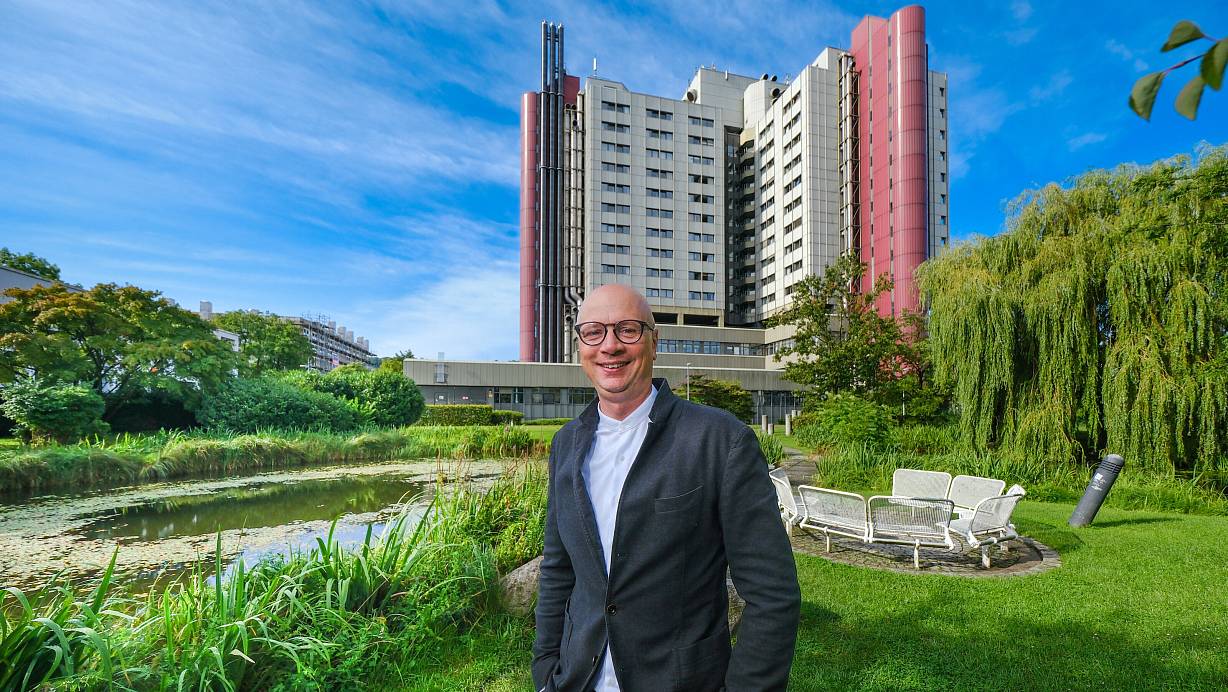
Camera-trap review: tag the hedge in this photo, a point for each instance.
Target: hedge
(457, 414)
(505, 417)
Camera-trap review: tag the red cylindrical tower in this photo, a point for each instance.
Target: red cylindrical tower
(528, 226)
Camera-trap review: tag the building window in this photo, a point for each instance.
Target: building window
(702, 218)
(616, 249)
(615, 269)
(615, 167)
(659, 292)
(701, 179)
(659, 115)
(616, 148)
(659, 173)
(616, 208)
(659, 213)
(660, 154)
(615, 228)
(702, 122)
(702, 237)
(615, 187)
(509, 395)
(942, 198)
(660, 233)
(942, 220)
(702, 256)
(701, 160)
(614, 127)
(660, 252)
(701, 295)
(615, 107)
(660, 273)
(663, 194)
(701, 199)
(701, 141)
(702, 276)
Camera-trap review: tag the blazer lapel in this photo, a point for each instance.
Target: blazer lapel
(584, 504)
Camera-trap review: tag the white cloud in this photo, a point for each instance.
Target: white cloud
(960, 164)
(1054, 87)
(1020, 36)
(1021, 9)
(1076, 143)
(1119, 49)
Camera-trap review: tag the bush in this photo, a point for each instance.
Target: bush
(383, 398)
(845, 419)
(60, 412)
(505, 417)
(248, 405)
(457, 414)
(549, 421)
(154, 410)
(723, 394)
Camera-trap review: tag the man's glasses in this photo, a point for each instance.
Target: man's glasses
(626, 331)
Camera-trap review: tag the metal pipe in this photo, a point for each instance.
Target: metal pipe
(1102, 481)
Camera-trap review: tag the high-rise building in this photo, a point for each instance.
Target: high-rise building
(716, 204)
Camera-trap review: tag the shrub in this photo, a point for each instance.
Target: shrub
(457, 414)
(723, 394)
(248, 405)
(549, 421)
(505, 417)
(60, 412)
(153, 410)
(845, 419)
(383, 398)
(773, 448)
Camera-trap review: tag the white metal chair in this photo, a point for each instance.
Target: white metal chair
(989, 523)
(833, 512)
(967, 491)
(789, 513)
(919, 522)
(918, 483)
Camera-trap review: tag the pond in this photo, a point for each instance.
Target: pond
(164, 530)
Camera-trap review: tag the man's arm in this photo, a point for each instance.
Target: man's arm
(553, 588)
(764, 573)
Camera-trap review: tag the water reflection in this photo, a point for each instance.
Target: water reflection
(256, 506)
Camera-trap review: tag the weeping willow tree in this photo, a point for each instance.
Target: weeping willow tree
(1097, 322)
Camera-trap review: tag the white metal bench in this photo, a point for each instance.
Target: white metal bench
(989, 523)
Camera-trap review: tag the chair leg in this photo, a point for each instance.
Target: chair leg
(916, 555)
(828, 537)
(985, 556)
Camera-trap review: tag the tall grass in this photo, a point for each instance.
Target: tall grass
(773, 448)
(133, 458)
(325, 618)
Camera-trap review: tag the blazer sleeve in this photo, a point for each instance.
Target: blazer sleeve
(554, 586)
(764, 573)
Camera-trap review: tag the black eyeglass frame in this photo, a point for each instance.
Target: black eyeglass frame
(644, 328)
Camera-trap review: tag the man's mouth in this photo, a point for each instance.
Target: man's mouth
(613, 367)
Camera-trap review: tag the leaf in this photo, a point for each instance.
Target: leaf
(1213, 64)
(1183, 32)
(1187, 100)
(1143, 95)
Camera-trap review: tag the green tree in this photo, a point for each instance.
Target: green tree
(842, 344)
(396, 363)
(383, 398)
(724, 394)
(1097, 322)
(30, 264)
(1210, 73)
(266, 342)
(120, 341)
(60, 412)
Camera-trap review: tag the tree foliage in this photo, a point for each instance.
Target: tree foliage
(251, 404)
(266, 341)
(60, 412)
(383, 398)
(396, 362)
(1210, 73)
(723, 394)
(30, 264)
(1097, 322)
(120, 341)
(841, 344)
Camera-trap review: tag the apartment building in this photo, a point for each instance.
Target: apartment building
(715, 204)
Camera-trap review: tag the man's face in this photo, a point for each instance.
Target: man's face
(620, 372)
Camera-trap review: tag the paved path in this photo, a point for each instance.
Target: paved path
(1015, 558)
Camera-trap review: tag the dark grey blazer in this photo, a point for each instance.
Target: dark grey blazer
(697, 498)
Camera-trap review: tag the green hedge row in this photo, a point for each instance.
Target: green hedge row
(467, 414)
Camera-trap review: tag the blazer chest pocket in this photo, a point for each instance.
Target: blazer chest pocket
(679, 503)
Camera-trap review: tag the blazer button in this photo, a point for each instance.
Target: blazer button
(611, 609)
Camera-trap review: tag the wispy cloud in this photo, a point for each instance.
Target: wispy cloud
(1021, 10)
(1076, 143)
(1054, 87)
(1020, 36)
(1120, 50)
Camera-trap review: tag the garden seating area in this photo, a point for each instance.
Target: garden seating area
(926, 509)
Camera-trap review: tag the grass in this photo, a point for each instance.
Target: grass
(136, 458)
(1137, 604)
(327, 618)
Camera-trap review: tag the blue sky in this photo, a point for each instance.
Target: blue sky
(360, 159)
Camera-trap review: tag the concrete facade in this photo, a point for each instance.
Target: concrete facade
(561, 390)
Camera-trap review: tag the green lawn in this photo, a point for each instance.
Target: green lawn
(1139, 603)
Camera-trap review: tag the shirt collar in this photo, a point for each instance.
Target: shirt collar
(633, 420)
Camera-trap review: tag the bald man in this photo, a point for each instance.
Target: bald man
(651, 498)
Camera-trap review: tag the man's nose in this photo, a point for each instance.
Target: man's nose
(611, 344)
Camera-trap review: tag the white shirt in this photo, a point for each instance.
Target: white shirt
(615, 445)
